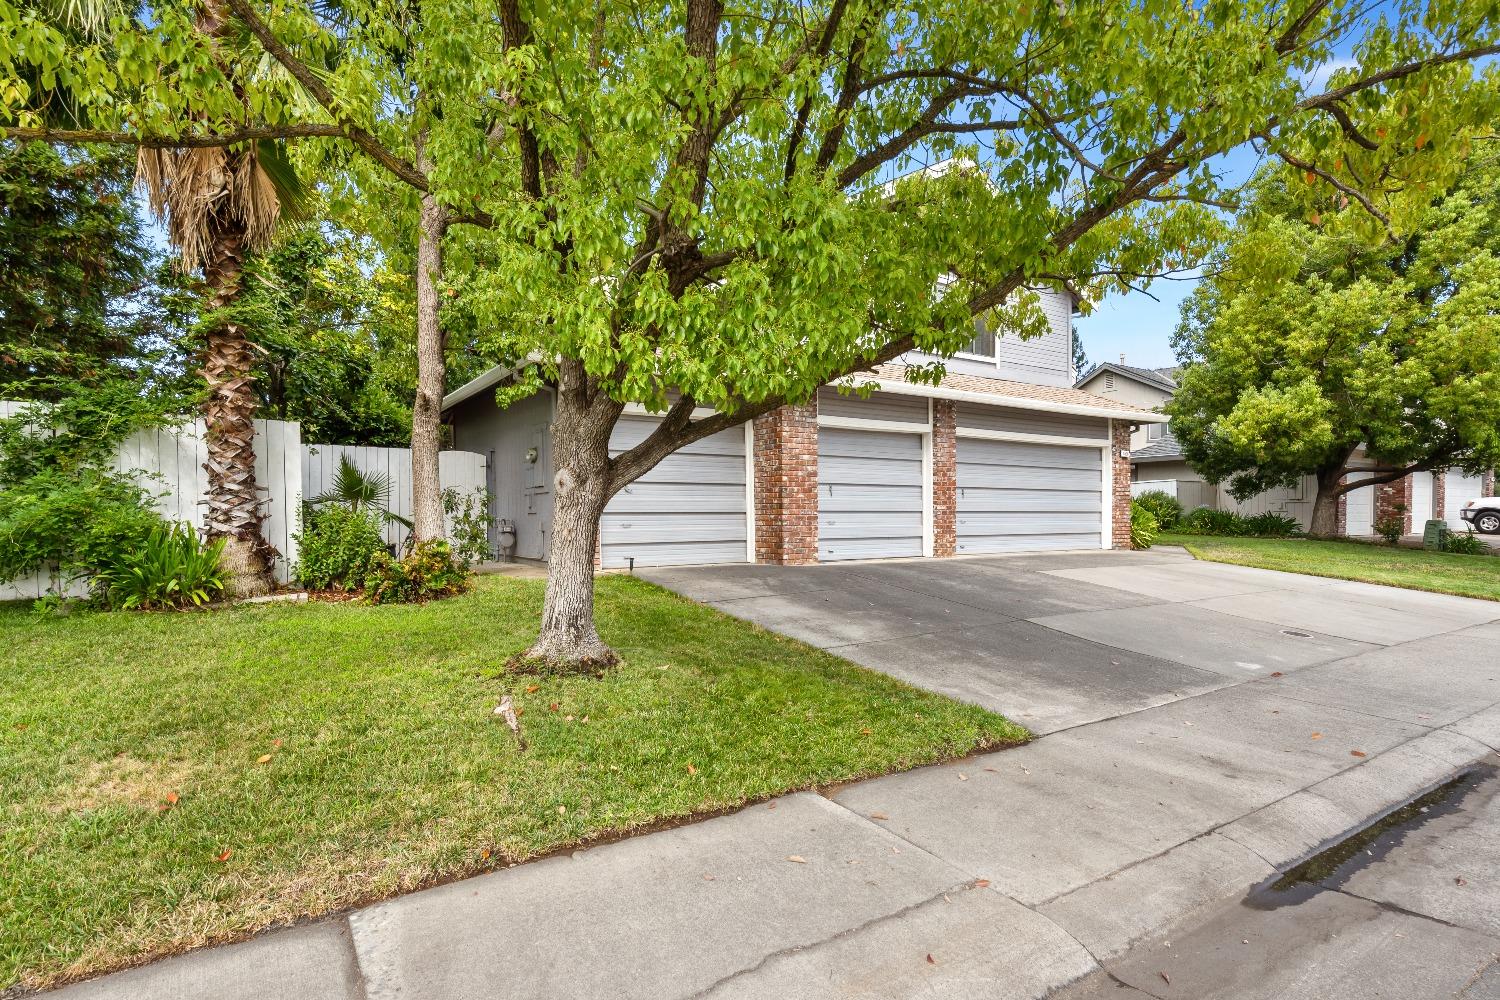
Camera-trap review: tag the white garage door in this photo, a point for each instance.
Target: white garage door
(1359, 507)
(869, 494)
(1015, 497)
(1421, 500)
(689, 509)
(1460, 489)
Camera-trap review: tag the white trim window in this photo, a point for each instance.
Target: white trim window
(983, 344)
(1153, 432)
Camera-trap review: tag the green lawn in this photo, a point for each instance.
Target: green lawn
(386, 771)
(1414, 569)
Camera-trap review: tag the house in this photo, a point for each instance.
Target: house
(1154, 452)
(1156, 462)
(1003, 456)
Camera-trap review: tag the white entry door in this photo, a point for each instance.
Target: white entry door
(1359, 507)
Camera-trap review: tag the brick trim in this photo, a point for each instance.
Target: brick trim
(1119, 445)
(944, 478)
(1390, 496)
(786, 485)
(1439, 495)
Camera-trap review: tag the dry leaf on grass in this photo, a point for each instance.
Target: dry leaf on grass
(796, 859)
(264, 758)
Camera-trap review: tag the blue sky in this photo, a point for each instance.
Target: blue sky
(1135, 325)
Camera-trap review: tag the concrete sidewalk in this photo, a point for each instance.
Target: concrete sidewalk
(1007, 875)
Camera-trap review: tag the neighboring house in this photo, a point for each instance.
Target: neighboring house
(1156, 462)
(1002, 456)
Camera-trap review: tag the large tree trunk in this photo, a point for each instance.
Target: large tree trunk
(1325, 512)
(426, 416)
(581, 427)
(234, 512)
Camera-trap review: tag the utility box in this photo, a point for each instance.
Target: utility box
(1433, 534)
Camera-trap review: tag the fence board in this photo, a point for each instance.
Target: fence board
(460, 470)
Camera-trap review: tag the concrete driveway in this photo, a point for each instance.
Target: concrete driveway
(1059, 640)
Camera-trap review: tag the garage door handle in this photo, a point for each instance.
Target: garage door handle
(830, 489)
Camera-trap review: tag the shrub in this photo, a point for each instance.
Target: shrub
(1163, 506)
(1209, 521)
(172, 569)
(469, 515)
(1466, 544)
(1143, 526)
(1390, 528)
(81, 521)
(1271, 525)
(336, 547)
(430, 570)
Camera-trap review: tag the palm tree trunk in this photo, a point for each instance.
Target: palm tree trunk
(234, 512)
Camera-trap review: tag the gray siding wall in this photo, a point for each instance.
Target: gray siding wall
(522, 491)
(880, 406)
(1045, 360)
(976, 416)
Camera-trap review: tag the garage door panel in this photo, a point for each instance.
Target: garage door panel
(868, 444)
(840, 497)
(1020, 497)
(708, 498)
(1014, 477)
(690, 508)
(638, 529)
(1459, 489)
(971, 499)
(1005, 523)
(868, 548)
(1015, 454)
(632, 430)
(846, 470)
(870, 494)
(1028, 543)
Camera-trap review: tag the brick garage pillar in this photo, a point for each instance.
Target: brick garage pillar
(1487, 484)
(944, 478)
(1343, 524)
(786, 486)
(1439, 495)
(1393, 502)
(1119, 445)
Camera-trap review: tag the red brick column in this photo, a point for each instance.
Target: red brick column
(1439, 495)
(786, 486)
(1119, 445)
(1487, 483)
(1388, 496)
(944, 478)
(1343, 526)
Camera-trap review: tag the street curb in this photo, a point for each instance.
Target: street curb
(1112, 914)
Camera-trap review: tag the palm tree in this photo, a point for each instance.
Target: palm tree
(220, 204)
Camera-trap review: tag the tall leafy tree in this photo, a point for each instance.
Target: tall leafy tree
(77, 299)
(711, 204)
(1311, 340)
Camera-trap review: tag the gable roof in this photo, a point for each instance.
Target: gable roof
(1156, 378)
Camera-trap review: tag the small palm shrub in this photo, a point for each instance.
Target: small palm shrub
(1272, 525)
(430, 570)
(172, 568)
(1163, 506)
(1466, 544)
(336, 547)
(1143, 526)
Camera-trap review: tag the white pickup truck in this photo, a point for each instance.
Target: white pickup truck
(1484, 514)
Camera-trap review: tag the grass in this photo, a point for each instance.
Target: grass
(334, 754)
(1414, 569)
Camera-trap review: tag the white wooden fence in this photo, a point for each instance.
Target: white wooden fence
(169, 463)
(461, 470)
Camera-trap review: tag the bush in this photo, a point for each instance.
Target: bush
(1143, 526)
(336, 547)
(80, 521)
(172, 569)
(1209, 521)
(430, 570)
(1390, 528)
(470, 518)
(1163, 506)
(1466, 544)
(1272, 525)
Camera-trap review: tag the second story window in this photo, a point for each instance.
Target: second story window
(983, 344)
(1153, 432)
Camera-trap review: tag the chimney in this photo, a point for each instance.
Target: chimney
(1122, 357)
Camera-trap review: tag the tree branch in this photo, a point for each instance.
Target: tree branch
(1352, 192)
(304, 75)
(248, 133)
